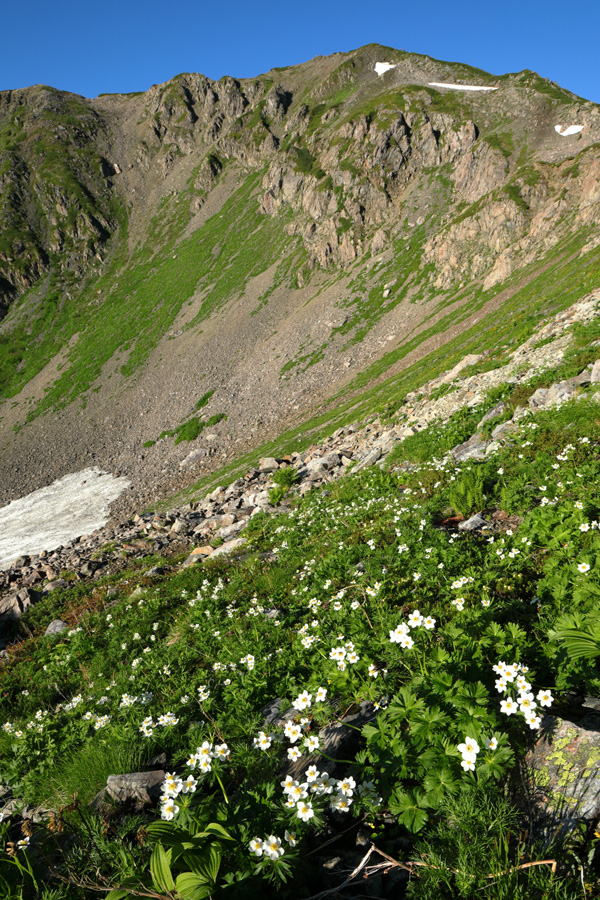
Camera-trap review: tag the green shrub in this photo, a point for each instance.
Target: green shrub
(286, 476)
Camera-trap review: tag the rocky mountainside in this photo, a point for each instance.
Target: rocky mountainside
(216, 260)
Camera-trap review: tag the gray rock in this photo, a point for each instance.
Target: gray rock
(595, 373)
(473, 523)
(369, 460)
(538, 399)
(503, 428)
(141, 787)
(564, 776)
(228, 547)
(55, 627)
(193, 458)
(474, 448)
(493, 413)
(56, 585)
(14, 605)
(268, 464)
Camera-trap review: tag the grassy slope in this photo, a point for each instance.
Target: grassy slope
(375, 550)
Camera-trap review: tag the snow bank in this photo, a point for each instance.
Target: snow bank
(74, 505)
(382, 68)
(567, 130)
(461, 87)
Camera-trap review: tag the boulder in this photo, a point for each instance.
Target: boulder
(493, 413)
(14, 605)
(473, 524)
(55, 627)
(268, 464)
(194, 458)
(595, 373)
(369, 460)
(228, 547)
(141, 788)
(563, 772)
(538, 399)
(197, 555)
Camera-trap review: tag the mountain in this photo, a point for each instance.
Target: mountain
(219, 260)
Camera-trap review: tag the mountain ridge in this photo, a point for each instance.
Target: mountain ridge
(363, 216)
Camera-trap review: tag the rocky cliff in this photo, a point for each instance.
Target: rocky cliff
(274, 240)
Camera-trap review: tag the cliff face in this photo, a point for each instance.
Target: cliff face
(300, 225)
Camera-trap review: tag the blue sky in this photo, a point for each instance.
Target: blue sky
(128, 46)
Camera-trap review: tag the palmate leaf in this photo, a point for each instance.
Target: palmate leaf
(580, 644)
(410, 807)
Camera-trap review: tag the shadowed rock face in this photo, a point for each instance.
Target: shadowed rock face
(274, 236)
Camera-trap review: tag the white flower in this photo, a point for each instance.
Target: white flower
(468, 763)
(400, 632)
(168, 810)
(508, 706)
(429, 623)
(303, 701)
(320, 695)
(221, 751)
(256, 846)
(263, 741)
(406, 642)
(292, 731)
(532, 720)
(305, 810)
(311, 774)
(346, 786)
(373, 672)
(415, 619)
(203, 693)
(291, 838)
(470, 747)
(545, 698)
(311, 743)
(526, 702)
(272, 847)
(189, 785)
(352, 657)
(341, 803)
(294, 753)
(491, 743)
(583, 567)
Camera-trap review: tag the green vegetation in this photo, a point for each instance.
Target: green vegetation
(428, 615)
(203, 401)
(190, 430)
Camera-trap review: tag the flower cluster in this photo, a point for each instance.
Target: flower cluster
(512, 680)
(401, 634)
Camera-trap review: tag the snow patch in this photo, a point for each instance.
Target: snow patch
(461, 87)
(74, 505)
(567, 130)
(382, 68)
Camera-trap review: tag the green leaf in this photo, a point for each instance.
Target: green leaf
(214, 828)
(192, 887)
(410, 806)
(119, 894)
(160, 869)
(167, 834)
(580, 644)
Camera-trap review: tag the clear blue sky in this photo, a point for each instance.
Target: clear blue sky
(130, 45)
